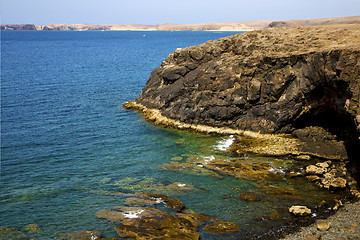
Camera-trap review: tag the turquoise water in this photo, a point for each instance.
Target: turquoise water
(66, 141)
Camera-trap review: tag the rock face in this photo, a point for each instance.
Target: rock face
(268, 81)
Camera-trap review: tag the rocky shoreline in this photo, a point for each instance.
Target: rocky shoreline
(289, 93)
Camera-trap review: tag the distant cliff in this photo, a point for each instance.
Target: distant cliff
(232, 26)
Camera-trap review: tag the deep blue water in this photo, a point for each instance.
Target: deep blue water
(65, 138)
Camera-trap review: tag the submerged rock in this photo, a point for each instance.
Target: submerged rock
(173, 203)
(197, 218)
(190, 168)
(110, 215)
(274, 216)
(221, 227)
(33, 228)
(133, 201)
(11, 233)
(242, 169)
(249, 197)
(280, 192)
(152, 184)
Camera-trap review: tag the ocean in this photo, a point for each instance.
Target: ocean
(67, 143)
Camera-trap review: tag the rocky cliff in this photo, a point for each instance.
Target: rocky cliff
(268, 81)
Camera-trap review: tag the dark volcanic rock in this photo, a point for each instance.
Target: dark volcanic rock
(269, 81)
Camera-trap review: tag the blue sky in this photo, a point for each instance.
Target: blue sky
(170, 11)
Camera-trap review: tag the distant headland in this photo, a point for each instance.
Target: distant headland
(230, 26)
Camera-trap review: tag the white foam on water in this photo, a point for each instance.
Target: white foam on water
(208, 159)
(133, 214)
(225, 143)
(181, 184)
(277, 170)
(159, 200)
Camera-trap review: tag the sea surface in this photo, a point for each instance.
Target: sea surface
(67, 143)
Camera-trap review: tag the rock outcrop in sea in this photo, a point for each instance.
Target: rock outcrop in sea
(299, 81)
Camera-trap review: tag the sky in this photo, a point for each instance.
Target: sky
(44, 12)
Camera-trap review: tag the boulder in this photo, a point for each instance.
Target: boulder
(315, 170)
(331, 181)
(323, 225)
(274, 216)
(300, 210)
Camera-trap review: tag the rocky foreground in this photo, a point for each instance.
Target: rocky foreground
(345, 224)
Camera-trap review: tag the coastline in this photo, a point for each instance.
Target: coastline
(225, 26)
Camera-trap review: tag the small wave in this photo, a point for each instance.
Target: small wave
(280, 170)
(225, 143)
(133, 214)
(208, 159)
